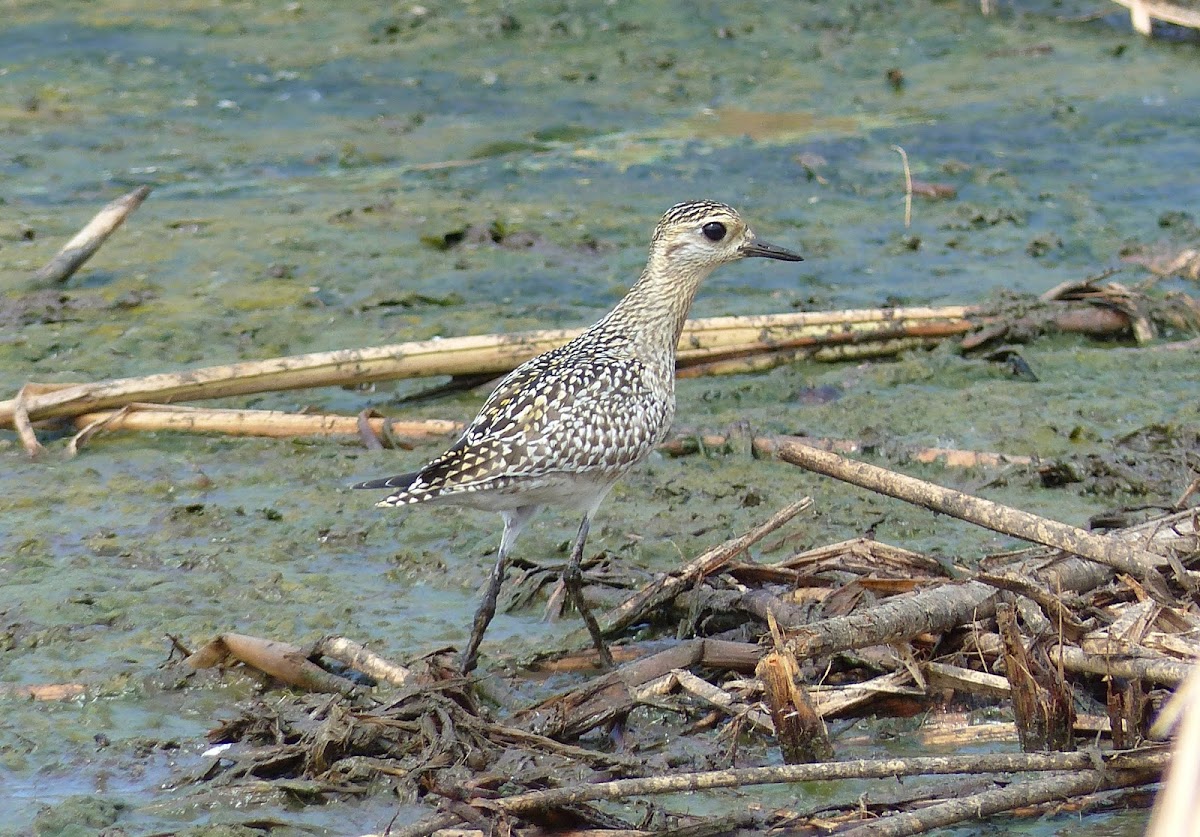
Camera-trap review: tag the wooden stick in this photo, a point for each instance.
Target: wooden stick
(607, 697)
(968, 680)
(700, 688)
(23, 425)
(801, 735)
(976, 806)
(834, 700)
(1153, 759)
(276, 424)
(602, 760)
(876, 337)
(490, 354)
(1042, 700)
(665, 588)
(766, 446)
(1126, 666)
(88, 240)
(1108, 550)
(269, 423)
(441, 821)
(611, 696)
(902, 617)
(359, 657)
(830, 350)
(1053, 605)
(282, 660)
(280, 425)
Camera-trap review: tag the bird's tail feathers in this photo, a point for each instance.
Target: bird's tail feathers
(400, 481)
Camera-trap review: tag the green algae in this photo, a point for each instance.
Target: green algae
(301, 160)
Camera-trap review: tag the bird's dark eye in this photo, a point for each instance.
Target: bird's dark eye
(713, 230)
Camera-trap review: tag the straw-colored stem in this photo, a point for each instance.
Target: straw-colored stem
(1104, 549)
(490, 354)
(88, 240)
(281, 425)
(269, 423)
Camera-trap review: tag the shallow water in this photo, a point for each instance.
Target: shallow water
(302, 156)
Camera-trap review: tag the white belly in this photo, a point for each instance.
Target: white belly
(579, 492)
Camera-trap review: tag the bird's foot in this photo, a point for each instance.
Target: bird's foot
(606, 659)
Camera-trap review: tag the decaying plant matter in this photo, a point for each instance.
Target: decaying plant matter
(1072, 644)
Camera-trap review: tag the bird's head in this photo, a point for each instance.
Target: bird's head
(704, 234)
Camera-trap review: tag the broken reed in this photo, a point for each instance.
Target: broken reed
(703, 341)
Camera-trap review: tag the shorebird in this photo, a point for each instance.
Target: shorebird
(563, 427)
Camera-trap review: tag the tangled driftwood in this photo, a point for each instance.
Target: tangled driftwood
(857, 627)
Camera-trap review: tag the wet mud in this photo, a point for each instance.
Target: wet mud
(351, 175)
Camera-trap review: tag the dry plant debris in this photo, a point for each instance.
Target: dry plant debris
(1081, 648)
(88, 240)
(720, 345)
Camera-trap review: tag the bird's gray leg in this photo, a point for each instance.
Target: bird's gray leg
(514, 522)
(573, 581)
(485, 611)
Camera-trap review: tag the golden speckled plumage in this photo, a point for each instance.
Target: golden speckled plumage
(561, 428)
(586, 409)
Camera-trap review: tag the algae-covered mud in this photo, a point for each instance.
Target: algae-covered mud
(317, 171)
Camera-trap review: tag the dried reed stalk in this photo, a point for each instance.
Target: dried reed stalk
(702, 341)
(1103, 549)
(88, 240)
(269, 423)
(280, 425)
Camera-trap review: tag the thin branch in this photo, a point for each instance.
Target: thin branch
(908, 186)
(1154, 759)
(984, 804)
(1108, 550)
(88, 240)
(666, 587)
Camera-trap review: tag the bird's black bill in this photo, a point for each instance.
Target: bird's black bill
(763, 250)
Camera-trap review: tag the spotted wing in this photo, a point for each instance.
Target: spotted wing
(549, 416)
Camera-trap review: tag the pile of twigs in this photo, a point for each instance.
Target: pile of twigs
(1079, 641)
